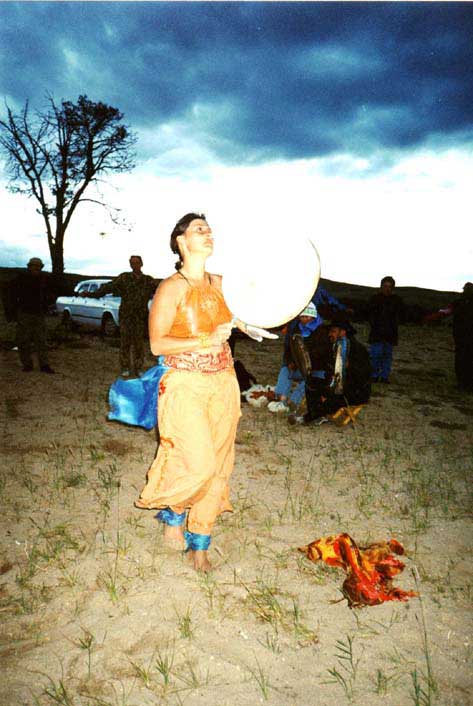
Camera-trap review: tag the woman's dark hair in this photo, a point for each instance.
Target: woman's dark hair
(388, 278)
(179, 229)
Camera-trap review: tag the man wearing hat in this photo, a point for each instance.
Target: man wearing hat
(304, 338)
(348, 380)
(30, 295)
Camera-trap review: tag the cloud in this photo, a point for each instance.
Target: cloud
(255, 80)
(354, 119)
(407, 215)
(17, 255)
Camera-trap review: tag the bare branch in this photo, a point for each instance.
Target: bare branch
(100, 203)
(55, 155)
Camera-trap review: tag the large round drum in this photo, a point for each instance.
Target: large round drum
(274, 283)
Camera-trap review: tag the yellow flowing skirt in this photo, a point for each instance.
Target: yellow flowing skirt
(198, 416)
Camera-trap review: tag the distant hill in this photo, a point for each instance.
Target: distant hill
(418, 300)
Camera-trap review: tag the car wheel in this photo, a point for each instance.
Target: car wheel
(109, 327)
(66, 321)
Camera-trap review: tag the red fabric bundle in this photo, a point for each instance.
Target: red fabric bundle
(370, 569)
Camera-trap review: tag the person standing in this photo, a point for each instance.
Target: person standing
(198, 398)
(385, 311)
(135, 290)
(29, 296)
(463, 337)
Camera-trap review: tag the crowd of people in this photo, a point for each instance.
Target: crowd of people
(325, 368)
(31, 294)
(194, 390)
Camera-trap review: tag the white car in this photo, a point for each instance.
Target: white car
(94, 313)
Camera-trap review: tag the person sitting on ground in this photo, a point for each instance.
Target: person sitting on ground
(347, 379)
(301, 334)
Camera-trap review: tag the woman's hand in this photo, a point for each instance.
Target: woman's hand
(254, 332)
(257, 334)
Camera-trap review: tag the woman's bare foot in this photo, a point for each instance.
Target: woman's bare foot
(174, 536)
(200, 560)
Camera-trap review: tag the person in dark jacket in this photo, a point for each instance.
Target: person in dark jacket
(348, 376)
(463, 338)
(29, 296)
(305, 326)
(135, 289)
(385, 312)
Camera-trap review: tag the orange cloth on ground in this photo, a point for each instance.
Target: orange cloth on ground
(370, 569)
(198, 415)
(201, 311)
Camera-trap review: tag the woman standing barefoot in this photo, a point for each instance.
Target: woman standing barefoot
(199, 397)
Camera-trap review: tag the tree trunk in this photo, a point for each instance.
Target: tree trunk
(57, 260)
(56, 250)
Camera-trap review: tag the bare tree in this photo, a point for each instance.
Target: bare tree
(54, 155)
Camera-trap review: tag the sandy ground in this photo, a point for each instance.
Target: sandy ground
(95, 611)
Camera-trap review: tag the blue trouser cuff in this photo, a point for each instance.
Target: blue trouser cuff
(169, 517)
(197, 542)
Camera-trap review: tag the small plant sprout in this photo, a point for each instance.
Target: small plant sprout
(345, 673)
(85, 642)
(184, 620)
(261, 678)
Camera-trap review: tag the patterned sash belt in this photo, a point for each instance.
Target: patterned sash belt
(212, 362)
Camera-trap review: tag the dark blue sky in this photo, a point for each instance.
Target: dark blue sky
(351, 122)
(255, 81)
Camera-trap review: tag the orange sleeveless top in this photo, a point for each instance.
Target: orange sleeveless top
(202, 309)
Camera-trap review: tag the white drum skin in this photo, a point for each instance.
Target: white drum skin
(273, 284)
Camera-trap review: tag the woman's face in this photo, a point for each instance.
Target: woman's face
(198, 237)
